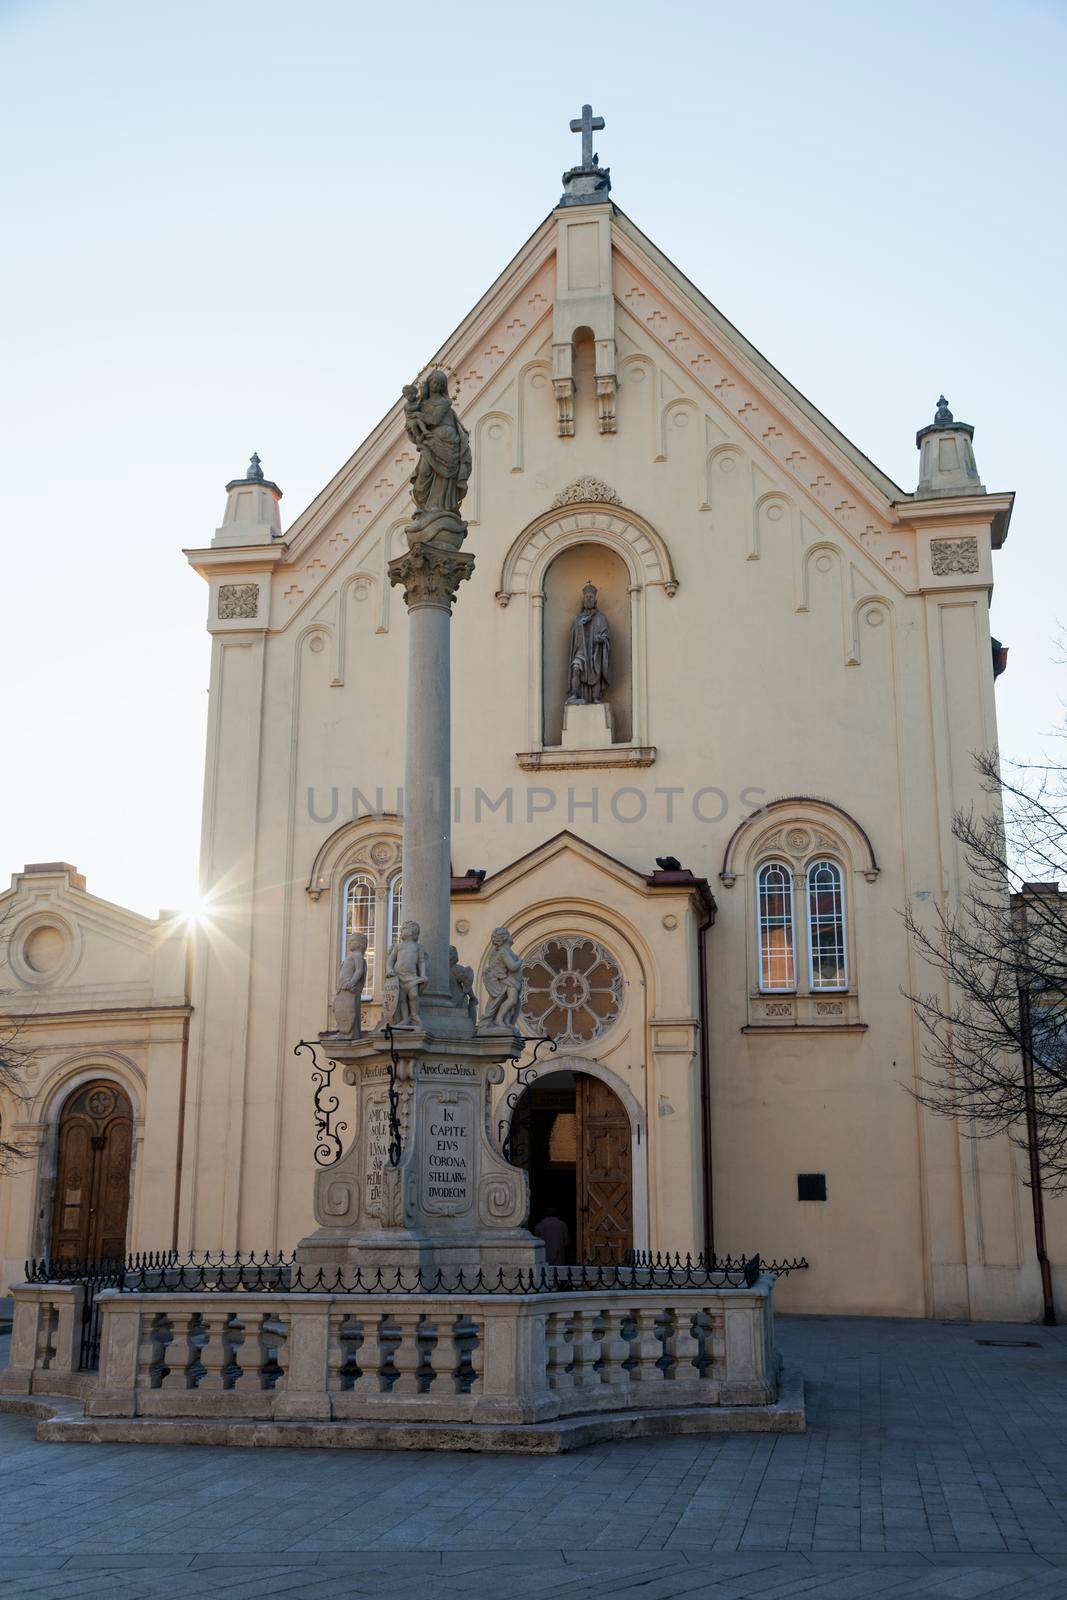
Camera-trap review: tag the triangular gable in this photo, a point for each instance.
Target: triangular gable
(511, 324)
(567, 843)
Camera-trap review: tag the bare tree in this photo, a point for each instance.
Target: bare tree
(996, 1032)
(14, 1058)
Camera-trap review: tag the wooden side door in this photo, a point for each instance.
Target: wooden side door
(92, 1196)
(605, 1188)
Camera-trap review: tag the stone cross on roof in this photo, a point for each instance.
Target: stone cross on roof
(587, 125)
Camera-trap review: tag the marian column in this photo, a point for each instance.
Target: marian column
(423, 1183)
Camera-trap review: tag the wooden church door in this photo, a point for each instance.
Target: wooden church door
(604, 1187)
(92, 1196)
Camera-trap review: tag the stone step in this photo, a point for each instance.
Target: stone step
(63, 1421)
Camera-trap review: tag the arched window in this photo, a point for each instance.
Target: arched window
(359, 915)
(395, 913)
(827, 949)
(774, 913)
(372, 906)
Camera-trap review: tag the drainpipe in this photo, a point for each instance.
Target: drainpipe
(1036, 1194)
(705, 1086)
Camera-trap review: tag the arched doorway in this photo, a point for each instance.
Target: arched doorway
(92, 1193)
(572, 1134)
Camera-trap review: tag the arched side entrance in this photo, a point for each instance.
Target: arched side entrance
(92, 1193)
(572, 1134)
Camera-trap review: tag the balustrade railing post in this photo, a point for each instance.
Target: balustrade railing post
(215, 1351)
(614, 1349)
(406, 1354)
(183, 1355)
(584, 1352)
(647, 1348)
(305, 1392)
(120, 1344)
(560, 1353)
(684, 1346)
(45, 1336)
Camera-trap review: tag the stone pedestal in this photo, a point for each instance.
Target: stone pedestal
(452, 1202)
(587, 727)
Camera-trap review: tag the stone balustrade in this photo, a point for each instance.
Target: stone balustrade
(444, 1357)
(45, 1340)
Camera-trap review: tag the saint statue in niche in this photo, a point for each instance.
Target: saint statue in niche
(440, 479)
(590, 653)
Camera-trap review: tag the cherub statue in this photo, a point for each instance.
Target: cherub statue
(461, 984)
(348, 1001)
(414, 424)
(409, 966)
(503, 980)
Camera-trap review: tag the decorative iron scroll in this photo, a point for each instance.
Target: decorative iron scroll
(327, 1131)
(394, 1101)
(526, 1074)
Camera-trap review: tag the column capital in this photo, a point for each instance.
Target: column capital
(431, 575)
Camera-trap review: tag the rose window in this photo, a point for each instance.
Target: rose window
(574, 990)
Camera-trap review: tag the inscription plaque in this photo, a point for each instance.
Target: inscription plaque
(448, 1128)
(376, 1110)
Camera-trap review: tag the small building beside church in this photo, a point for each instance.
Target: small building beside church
(717, 681)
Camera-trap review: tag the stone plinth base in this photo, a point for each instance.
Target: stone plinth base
(587, 727)
(451, 1201)
(399, 1251)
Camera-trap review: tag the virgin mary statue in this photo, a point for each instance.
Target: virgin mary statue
(439, 482)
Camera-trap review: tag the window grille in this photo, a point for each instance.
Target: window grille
(774, 911)
(828, 967)
(359, 915)
(395, 914)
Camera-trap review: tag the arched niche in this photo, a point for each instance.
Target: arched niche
(584, 373)
(565, 578)
(588, 512)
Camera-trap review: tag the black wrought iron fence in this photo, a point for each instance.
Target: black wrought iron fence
(267, 1272)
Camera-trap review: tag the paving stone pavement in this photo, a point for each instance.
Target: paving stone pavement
(932, 1466)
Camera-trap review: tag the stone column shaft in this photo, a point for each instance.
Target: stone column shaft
(427, 863)
(430, 575)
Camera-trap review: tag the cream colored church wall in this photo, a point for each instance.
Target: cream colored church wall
(798, 655)
(110, 1004)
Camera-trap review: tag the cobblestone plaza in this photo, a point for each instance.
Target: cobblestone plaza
(935, 1463)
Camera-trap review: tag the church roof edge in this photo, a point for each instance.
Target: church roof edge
(870, 470)
(542, 235)
(527, 257)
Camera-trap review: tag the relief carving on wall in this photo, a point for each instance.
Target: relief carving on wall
(238, 600)
(585, 490)
(953, 555)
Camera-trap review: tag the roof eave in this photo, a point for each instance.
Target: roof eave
(863, 464)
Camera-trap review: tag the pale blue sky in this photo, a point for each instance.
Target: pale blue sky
(217, 218)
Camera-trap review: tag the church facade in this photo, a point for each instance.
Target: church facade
(717, 682)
